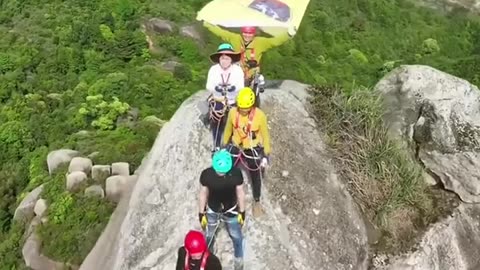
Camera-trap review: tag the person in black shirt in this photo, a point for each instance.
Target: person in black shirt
(222, 198)
(194, 254)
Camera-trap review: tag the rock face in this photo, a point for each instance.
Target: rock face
(115, 186)
(80, 164)
(40, 207)
(75, 179)
(57, 157)
(121, 168)
(103, 254)
(100, 172)
(163, 206)
(450, 244)
(170, 65)
(190, 31)
(25, 211)
(440, 113)
(159, 26)
(95, 190)
(32, 255)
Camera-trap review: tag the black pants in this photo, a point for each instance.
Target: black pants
(253, 159)
(218, 126)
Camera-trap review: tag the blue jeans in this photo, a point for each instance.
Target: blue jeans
(233, 227)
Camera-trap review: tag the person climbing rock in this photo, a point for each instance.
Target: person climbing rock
(251, 46)
(224, 81)
(194, 254)
(222, 199)
(246, 133)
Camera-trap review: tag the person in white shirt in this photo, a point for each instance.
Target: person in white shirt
(224, 81)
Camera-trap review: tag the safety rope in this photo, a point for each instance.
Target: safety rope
(218, 115)
(220, 220)
(240, 157)
(245, 163)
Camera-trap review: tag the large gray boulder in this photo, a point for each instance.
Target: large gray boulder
(316, 225)
(75, 179)
(115, 186)
(121, 168)
(58, 157)
(104, 253)
(159, 26)
(100, 173)
(25, 211)
(439, 114)
(453, 243)
(80, 164)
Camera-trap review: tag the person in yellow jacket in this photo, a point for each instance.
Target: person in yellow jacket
(249, 44)
(246, 131)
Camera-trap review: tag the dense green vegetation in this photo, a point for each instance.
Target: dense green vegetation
(67, 66)
(354, 43)
(75, 221)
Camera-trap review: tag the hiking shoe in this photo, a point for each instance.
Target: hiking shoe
(257, 210)
(238, 264)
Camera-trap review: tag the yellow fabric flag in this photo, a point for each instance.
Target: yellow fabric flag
(271, 16)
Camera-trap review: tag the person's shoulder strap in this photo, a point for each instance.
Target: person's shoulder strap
(204, 258)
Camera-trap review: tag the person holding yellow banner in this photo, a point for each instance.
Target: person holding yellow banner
(250, 45)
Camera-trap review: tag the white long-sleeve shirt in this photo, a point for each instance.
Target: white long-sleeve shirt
(233, 76)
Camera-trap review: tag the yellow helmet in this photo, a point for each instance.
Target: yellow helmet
(245, 98)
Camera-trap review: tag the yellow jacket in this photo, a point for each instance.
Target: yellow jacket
(260, 44)
(236, 128)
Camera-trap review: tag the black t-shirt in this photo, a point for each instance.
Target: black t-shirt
(221, 189)
(213, 263)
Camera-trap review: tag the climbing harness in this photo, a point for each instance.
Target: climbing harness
(258, 86)
(256, 81)
(218, 115)
(203, 263)
(240, 157)
(244, 59)
(248, 128)
(220, 220)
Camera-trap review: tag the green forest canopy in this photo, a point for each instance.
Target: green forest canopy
(67, 66)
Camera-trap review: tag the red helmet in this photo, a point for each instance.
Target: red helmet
(195, 242)
(249, 29)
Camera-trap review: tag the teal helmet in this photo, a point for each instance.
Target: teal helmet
(222, 161)
(225, 47)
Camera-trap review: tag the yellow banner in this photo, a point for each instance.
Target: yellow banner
(272, 16)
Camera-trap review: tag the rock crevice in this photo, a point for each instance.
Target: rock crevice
(440, 115)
